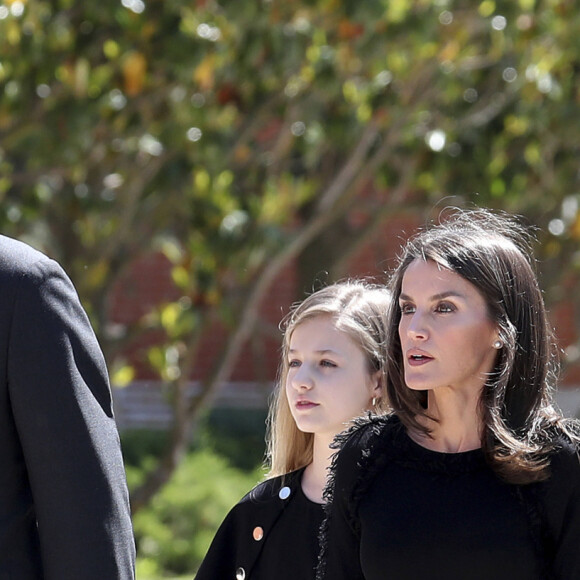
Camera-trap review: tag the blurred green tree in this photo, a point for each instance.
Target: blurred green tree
(236, 137)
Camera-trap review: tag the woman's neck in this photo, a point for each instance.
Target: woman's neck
(315, 474)
(457, 426)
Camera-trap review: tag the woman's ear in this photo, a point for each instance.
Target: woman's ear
(497, 342)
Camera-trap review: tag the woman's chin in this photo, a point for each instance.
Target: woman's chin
(417, 386)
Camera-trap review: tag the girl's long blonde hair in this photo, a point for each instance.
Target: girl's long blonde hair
(358, 308)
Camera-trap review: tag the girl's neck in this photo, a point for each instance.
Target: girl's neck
(457, 426)
(315, 474)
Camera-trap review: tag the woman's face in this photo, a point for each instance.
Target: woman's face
(445, 331)
(328, 381)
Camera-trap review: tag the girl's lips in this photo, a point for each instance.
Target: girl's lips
(305, 405)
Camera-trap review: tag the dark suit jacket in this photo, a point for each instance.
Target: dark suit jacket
(64, 510)
(235, 548)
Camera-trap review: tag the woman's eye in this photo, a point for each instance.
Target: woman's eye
(407, 309)
(445, 307)
(294, 363)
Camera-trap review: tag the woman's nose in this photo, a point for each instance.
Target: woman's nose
(416, 327)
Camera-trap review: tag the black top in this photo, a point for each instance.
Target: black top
(272, 533)
(400, 509)
(294, 541)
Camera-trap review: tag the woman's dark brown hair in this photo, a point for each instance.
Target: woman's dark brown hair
(493, 252)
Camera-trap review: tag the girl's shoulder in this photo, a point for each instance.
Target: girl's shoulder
(276, 488)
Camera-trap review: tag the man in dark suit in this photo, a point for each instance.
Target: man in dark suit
(64, 508)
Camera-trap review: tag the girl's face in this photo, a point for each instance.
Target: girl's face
(328, 381)
(446, 334)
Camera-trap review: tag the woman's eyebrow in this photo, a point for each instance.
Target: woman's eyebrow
(435, 297)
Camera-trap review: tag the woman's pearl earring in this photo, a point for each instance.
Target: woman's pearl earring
(498, 344)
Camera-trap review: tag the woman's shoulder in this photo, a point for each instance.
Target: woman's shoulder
(565, 457)
(556, 500)
(366, 432)
(563, 479)
(361, 450)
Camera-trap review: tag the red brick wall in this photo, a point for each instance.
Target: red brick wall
(148, 283)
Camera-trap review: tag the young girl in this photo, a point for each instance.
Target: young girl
(474, 475)
(332, 370)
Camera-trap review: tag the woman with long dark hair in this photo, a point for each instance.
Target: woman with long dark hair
(474, 475)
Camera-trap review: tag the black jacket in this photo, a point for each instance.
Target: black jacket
(395, 505)
(238, 542)
(64, 510)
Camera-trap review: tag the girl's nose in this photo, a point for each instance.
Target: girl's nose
(302, 379)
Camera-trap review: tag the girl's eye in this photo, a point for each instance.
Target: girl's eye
(327, 363)
(445, 307)
(407, 309)
(293, 363)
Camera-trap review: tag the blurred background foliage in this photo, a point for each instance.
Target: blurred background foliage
(174, 531)
(237, 136)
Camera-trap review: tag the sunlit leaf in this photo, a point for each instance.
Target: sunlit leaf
(134, 69)
(122, 376)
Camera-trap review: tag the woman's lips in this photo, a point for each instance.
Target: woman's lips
(417, 359)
